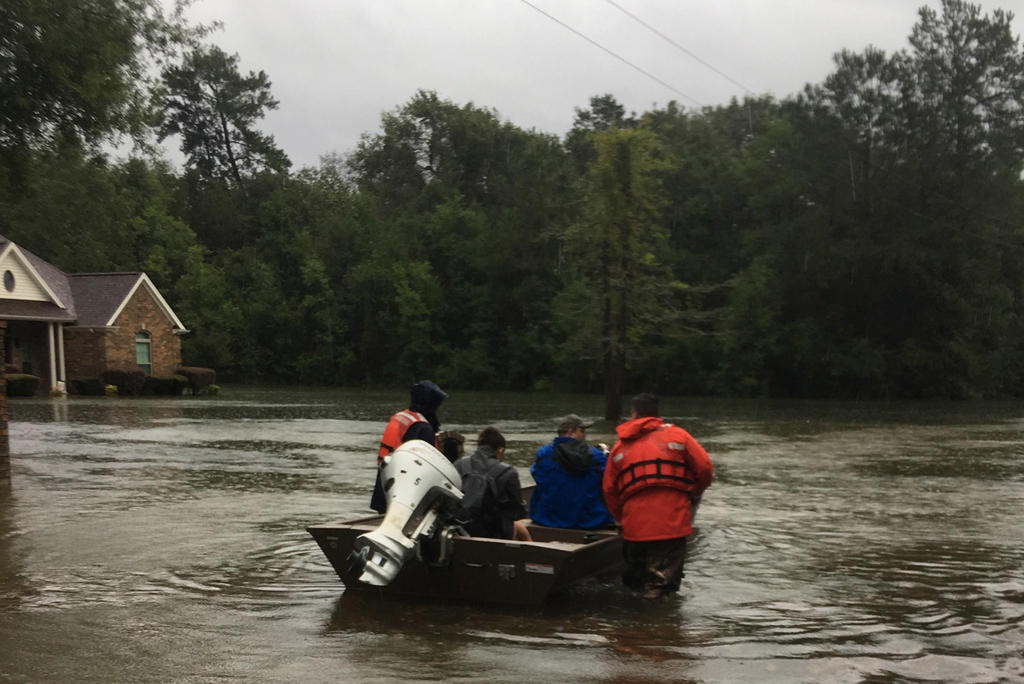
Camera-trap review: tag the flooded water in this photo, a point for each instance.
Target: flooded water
(162, 540)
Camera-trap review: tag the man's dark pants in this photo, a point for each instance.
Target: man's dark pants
(654, 568)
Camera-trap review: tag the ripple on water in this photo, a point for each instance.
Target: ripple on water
(291, 570)
(838, 550)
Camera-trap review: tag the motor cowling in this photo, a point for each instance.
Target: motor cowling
(422, 489)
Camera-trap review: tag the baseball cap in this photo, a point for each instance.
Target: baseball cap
(571, 422)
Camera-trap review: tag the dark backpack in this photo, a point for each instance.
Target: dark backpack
(478, 512)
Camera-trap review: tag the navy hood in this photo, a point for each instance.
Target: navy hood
(573, 455)
(425, 397)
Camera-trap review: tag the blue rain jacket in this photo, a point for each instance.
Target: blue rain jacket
(568, 492)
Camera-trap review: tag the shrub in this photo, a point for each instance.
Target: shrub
(128, 382)
(22, 385)
(170, 386)
(91, 387)
(198, 378)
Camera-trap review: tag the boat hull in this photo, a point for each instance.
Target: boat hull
(482, 570)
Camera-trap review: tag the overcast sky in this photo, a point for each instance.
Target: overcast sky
(336, 65)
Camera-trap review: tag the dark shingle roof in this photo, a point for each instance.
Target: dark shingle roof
(89, 299)
(34, 311)
(100, 295)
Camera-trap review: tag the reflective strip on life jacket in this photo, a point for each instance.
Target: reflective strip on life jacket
(666, 469)
(395, 431)
(659, 472)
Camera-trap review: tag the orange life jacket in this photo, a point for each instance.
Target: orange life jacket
(395, 431)
(656, 462)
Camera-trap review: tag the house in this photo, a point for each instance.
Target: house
(61, 326)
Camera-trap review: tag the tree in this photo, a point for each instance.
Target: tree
(482, 202)
(85, 214)
(204, 300)
(963, 87)
(964, 93)
(76, 70)
(916, 174)
(604, 113)
(617, 291)
(214, 109)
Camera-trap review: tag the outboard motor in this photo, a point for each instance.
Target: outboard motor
(423, 489)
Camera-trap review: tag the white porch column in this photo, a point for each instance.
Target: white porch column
(53, 359)
(62, 372)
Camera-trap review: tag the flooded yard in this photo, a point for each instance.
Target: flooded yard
(163, 540)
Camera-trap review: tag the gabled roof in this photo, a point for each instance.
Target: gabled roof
(102, 296)
(54, 301)
(45, 293)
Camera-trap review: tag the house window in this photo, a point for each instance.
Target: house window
(143, 352)
(8, 281)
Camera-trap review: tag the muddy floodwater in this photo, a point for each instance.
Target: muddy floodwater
(163, 540)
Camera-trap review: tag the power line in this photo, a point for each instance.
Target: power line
(613, 54)
(677, 45)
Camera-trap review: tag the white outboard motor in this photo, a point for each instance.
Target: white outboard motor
(423, 489)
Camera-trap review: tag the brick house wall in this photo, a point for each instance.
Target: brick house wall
(85, 352)
(143, 313)
(89, 353)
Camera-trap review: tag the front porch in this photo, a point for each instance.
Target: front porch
(37, 348)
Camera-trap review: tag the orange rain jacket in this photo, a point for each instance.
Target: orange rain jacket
(654, 474)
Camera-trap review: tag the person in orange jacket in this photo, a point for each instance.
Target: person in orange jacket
(419, 421)
(652, 484)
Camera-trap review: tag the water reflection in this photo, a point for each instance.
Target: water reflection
(96, 410)
(839, 542)
(14, 585)
(563, 642)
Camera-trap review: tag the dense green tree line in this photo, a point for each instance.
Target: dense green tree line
(863, 238)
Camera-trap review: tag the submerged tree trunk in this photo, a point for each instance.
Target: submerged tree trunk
(613, 386)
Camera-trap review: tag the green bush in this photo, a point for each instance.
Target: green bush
(128, 382)
(22, 385)
(169, 386)
(198, 378)
(90, 387)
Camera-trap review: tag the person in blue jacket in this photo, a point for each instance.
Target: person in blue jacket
(568, 475)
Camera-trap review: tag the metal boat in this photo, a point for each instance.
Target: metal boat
(416, 549)
(481, 570)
